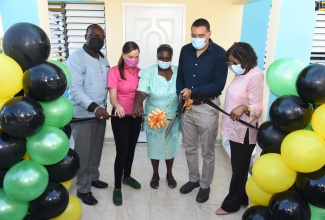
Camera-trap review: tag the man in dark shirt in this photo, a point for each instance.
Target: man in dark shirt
(202, 68)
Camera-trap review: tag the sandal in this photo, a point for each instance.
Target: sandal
(171, 181)
(154, 183)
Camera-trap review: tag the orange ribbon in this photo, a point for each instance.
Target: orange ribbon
(189, 104)
(157, 119)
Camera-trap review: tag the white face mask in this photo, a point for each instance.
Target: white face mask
(198, 43)
(237, 69)
(164, 65)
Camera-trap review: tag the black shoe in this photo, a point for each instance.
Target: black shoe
(188, 187)
(99, 184)
(203, 195)
(87, 198)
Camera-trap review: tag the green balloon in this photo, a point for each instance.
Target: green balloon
(317, 213)
(282, 74)
(58, 113)
(65, 70)
(48, 146)
(309, 127)
(25, 181)
(10, 209)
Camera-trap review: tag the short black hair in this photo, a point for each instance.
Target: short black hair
(201, 22)
(244, 53)
(165, 47)
(91, 27)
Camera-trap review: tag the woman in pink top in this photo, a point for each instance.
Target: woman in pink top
(243, 100)
(123, 82)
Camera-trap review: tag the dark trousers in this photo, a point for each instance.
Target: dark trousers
(126, 132)
(240, 160)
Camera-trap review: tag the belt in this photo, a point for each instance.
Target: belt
(199, 102)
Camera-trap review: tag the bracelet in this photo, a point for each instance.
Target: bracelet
(118, 106)
(96, 109)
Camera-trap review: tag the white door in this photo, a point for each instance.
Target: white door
(150, 25)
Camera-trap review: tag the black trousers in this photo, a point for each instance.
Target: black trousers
(126, 132)
(240, 160)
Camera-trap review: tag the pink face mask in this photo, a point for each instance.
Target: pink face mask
(131, 63)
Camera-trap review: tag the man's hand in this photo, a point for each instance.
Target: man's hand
(186, 93)
(101, 113)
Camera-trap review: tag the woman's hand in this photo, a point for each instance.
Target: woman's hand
(137, 111)
(119, 111)
(237, 112)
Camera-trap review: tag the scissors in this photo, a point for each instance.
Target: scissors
(179, 111)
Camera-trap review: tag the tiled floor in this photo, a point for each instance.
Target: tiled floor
(163, 203)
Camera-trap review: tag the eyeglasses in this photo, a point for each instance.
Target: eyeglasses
(232, 63)
(93, 35)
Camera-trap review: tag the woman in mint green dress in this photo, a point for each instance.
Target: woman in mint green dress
(158, 86)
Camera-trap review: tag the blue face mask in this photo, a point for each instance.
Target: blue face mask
(237, 69)
(163, 65)
(198, 43)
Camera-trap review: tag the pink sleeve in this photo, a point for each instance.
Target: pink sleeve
(113, 75)
(255, 95)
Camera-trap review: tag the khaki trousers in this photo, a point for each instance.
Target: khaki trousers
(200, 123)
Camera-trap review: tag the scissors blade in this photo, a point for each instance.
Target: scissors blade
(179, 111)
(170, 126)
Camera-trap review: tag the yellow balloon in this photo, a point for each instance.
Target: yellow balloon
(303, 151)
(252, 203)
(2, 101)
(67, 184)
(257, 195)
(318, 120)
(73, 211)
(11, 77)
(26, 156)
(272, 174)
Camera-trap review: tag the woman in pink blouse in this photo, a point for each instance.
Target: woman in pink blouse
(123, 82)
(243, 100)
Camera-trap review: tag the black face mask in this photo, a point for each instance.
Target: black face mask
(96, 44)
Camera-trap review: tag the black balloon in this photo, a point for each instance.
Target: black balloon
(21, 117)
(67, 130)
(2, 176)
(290, 113)
(312, 187)
(269, 138)
(44, 82)
(12, 150)
(289, 205)
(32, 217)
(310, 83)
(27, 44)
(66, 169)
(51, 203)
(257, 212)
